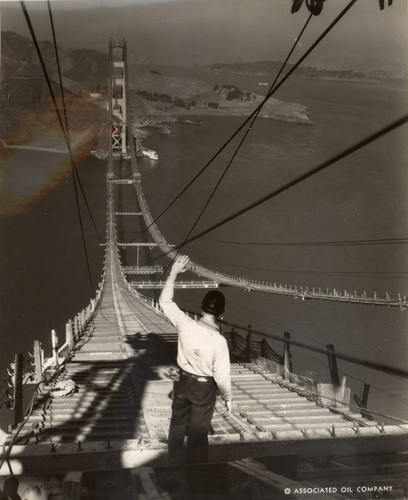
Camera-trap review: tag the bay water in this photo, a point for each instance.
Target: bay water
(363, 197)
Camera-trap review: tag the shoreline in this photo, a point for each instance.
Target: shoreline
(327, 78)
(243, 112)
(160, 126)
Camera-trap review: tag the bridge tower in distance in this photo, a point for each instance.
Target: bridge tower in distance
(117, 99)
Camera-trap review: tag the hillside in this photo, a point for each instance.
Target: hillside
(28, 116)
(89, 68)
(27, 112)
(221, 100)
(309, 72)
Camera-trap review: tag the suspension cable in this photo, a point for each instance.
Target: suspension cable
(38, 50)
(256, 110)
(347, 152)
(379, 241)
(251, 118)
(73, 165)
(248, 130)
(252, 121)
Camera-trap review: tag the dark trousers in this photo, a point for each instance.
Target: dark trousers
(192, 410)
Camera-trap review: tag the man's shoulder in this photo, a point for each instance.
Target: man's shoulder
(172, 310)
(221, 340)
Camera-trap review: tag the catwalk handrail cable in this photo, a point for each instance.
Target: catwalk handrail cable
(354, 274)
(388, 369)
(39, 386)
(8, 447)
(391, 371)
(74, 331)
(242, 342)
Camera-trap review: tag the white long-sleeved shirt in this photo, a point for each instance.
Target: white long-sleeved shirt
(202, 350)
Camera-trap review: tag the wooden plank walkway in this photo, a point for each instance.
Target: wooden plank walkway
(111, 433)
(119, 415)
(120, 369)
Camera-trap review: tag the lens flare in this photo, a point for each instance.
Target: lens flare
(24, 179)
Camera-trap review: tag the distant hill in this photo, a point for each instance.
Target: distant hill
(87, 68)
(28, 115)
(272, 67)
(158, 82)
(27, 112)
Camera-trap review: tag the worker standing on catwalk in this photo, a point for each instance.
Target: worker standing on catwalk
(203, 360)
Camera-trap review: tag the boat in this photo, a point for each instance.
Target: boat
(100, 155)
(150, 153)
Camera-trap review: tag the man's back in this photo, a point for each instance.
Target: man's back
(203, 359)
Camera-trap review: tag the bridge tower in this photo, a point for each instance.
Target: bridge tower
(117, 99)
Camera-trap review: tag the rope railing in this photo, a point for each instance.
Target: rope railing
(7, 449)
(388, 369)
(48, 368)
(41, 364)
(238, 337)
(334, 393)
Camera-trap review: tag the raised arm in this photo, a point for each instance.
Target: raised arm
(170, 308)
(179, 266)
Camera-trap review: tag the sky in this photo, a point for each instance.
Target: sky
(187, 32)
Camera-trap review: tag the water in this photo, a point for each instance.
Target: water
(42, 265)
(362, 197)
